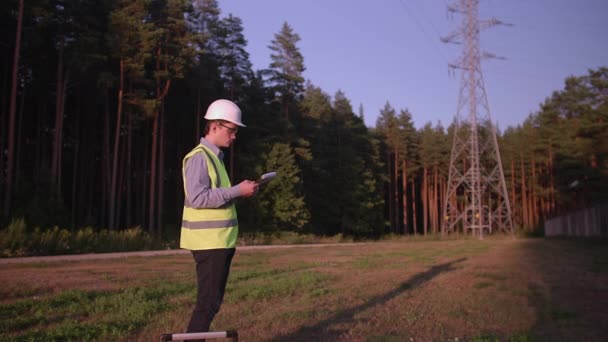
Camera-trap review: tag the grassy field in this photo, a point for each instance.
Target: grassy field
(456, 290)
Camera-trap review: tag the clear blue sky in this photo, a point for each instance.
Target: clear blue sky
(389, 50)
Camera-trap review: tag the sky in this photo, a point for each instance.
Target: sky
(390, 51)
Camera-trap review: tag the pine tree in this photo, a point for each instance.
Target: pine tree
(360, 188)
(130, 42)
(409, 161)
(234, 65)
(280, 206)
(173, 53)
(12, 114)
(388, 125)
(286, 68)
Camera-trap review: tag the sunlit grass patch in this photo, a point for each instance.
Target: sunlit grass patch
(239, 274)
(23, 290)
(85, 315)
(482, 284)
(484, 338)
(467, 248)
(247, 274)
(386, 338)
(277, 285)
(297, 315)
(250, 260)
(492, 276)
(321, 291)
(490, 337)
(368, 261)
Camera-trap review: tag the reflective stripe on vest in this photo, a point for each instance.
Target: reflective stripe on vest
(209, 228)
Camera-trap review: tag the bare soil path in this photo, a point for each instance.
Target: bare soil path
(100, 256)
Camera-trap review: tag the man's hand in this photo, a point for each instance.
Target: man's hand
(248, 188)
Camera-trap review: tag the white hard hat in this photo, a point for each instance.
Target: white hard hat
(224, 110)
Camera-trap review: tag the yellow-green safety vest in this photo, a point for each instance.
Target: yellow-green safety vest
(209, 228)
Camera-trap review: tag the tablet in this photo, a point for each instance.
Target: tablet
(267, 177)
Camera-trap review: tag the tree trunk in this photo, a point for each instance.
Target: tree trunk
(75, 201)
(513, 187)
(435, 195)
(11, 120)
(161, 92)
(425, 202)
(442, 199)
(143, 186)
(106, 173)
(404, 185)
(534, 195)
(524, 199)
(113, 190)
(391, 201)
(59, 105)
(153, 180)
(129, 218)
(3, 117)
(120, 192)
(396, 190)
(161, 172)
(40, 163)
(551, 184)
(414, 220)
(19, 138)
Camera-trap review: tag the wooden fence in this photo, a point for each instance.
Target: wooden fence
(586, 222)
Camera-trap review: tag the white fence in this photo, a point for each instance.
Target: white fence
(586, 222)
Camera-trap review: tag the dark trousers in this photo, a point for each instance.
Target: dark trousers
(212, 268)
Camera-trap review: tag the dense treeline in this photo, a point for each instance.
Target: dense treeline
(102, 99)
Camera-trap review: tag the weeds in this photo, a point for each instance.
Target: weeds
(16, 240)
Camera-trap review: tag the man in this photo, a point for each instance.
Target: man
(209, 224)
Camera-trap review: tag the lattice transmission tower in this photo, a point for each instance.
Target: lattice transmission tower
(476, 198)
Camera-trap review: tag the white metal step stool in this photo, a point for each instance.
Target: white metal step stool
(231, 334)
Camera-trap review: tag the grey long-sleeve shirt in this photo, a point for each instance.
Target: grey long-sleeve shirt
(199, 193)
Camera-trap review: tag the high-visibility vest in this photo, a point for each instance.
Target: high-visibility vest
(209, 228)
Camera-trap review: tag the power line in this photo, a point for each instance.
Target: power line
(421, 27)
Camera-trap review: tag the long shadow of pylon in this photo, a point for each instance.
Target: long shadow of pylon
(320, 331)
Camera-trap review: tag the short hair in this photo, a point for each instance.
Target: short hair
(208, 125)
(207, 128)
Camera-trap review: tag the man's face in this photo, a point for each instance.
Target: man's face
(226, 133)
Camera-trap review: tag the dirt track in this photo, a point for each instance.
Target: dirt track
(96, 256)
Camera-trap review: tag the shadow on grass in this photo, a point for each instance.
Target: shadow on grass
(321, 331)
(571, 301)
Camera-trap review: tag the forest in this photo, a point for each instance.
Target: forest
(101, 100)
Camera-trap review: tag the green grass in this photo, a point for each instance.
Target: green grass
(78, 315)
(482, 284)
(493, 276)
(277, 285)
(382, 338)
(384, 292)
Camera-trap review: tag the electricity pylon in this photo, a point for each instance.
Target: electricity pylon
(476, 197)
